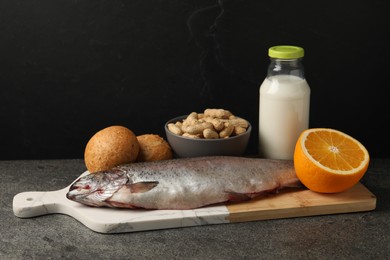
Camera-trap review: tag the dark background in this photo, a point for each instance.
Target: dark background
(69, 68)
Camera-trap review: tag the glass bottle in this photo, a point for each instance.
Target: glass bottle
(284, 103)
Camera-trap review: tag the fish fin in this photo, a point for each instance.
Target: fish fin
(141, 187)
(236, 197)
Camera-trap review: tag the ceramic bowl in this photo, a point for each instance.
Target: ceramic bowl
(196, 147)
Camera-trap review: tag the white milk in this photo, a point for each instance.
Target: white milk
(283, 115)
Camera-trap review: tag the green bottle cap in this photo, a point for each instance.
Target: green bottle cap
(286, 52)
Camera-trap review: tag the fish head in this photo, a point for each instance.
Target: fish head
(95, 188)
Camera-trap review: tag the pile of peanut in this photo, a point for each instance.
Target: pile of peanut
(213, 123)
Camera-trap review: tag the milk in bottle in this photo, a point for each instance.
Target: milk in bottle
(284, 103)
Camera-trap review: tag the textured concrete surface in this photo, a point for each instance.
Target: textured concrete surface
(362, 235)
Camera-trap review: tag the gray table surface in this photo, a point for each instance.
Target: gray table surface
(363, 235)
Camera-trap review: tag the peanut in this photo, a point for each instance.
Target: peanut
(218, 113)
(174, 129)
(193, 116)
(197, 128)
(190, 135)
(239, 130)
(218, 124)
(239, 122)
(210, 134)
(227, 131)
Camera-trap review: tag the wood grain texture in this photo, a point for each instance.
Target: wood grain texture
(299, 203)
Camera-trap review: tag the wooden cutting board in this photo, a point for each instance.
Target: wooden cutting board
(286, 204)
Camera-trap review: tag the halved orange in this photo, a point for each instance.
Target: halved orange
(329, 161)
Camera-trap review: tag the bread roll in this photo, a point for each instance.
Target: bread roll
(153, 148)
(111, 147)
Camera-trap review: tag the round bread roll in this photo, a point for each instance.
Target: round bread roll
(111, 147)
(153, 148)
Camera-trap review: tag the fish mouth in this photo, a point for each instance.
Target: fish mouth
(82, 195)
(78, 189)
(70, 195)
(73, 194)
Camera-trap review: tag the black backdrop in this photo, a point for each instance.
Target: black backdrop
(69, 68)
